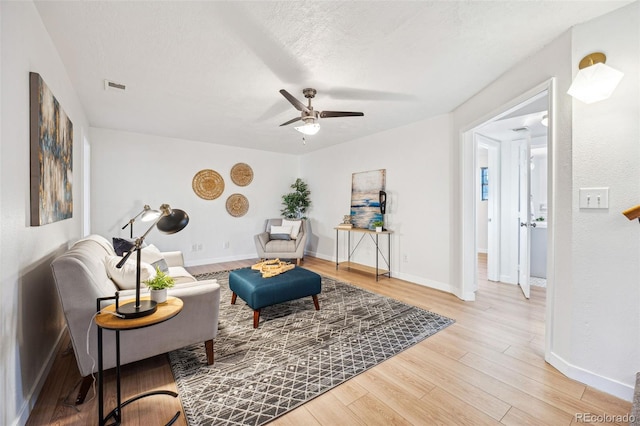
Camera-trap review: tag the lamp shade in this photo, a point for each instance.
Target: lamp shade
(309, 128)
(595, 83)
(173, 222)
(149, 214)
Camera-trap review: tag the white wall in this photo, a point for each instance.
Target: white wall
(593, 287)
(30, 315)
(416, 159)
(130, 170)
(604, 344)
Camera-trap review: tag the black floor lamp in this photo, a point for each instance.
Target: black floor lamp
(170, 221)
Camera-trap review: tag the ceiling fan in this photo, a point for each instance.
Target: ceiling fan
(311, 116)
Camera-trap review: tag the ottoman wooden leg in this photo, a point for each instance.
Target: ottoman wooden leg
(256, 318)
(233, 298)
(315, 302)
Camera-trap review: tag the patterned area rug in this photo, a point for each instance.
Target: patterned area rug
(296, 354)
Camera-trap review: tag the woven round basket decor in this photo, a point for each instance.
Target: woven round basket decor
(241, 174)
(208, 184)
(237, 205)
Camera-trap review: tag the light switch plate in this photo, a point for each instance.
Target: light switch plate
(594, 198)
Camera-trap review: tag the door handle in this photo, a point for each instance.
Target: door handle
(533, 225)
(523, 224)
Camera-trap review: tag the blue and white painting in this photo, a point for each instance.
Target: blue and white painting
(51, 156)
(365, 197)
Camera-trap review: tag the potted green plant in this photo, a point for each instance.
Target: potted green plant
(158, 286)
(378, 224)
(296, 202)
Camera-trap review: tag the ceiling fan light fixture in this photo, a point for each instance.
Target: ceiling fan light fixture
(310, 128)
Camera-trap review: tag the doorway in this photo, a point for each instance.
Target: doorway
(511, 208)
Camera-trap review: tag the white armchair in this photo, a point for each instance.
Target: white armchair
(81, 278)
(271, 245)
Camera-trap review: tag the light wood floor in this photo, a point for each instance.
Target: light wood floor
(487, 368)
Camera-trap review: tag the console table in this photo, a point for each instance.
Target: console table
(375, 237)
(106, 320)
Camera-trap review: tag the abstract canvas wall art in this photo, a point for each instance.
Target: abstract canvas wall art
(365, 197)
(51, 156)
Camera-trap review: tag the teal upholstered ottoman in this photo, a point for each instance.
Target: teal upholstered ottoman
(260, 292)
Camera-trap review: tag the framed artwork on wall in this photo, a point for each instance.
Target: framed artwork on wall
(365, 197)
(51, 145)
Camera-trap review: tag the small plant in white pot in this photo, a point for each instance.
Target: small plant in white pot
(378, 224)
(158, 286)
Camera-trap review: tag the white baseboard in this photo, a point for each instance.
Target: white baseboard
(601, 383)
(200, 262)
(415, 280)
(34, 392)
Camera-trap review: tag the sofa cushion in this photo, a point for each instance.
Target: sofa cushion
(181, 275)
(125, 277)
(151, 255)
(295, 227)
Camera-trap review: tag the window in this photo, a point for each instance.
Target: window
(484, 183)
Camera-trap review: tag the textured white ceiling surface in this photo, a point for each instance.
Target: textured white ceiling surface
(211, 71)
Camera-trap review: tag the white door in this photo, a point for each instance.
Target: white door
(524, 209)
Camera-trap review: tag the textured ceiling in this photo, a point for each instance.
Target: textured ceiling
(211, 71)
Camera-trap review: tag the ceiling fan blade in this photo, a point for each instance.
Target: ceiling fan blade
(329, 114)
(239, 22)
(293, 120)
(296, 103)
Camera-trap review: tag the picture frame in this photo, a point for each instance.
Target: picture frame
(51, 156)
(365, 197)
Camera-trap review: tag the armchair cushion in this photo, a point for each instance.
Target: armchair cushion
(280, 232)
(295, 227)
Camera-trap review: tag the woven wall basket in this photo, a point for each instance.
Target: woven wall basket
(241, 174)
(237, 205)
(208, 184)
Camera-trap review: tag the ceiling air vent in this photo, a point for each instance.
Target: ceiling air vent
(520, 129)
(114, 87)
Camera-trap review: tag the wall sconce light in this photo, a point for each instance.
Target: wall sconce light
(595, 81)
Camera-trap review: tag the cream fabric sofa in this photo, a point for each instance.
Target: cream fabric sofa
(81, 277)
(268, 247)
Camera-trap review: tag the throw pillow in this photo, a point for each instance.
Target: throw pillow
(286, 237)
(122, 245)
(280, 233)
(125, 277)
(152, 255)
(295, 227)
